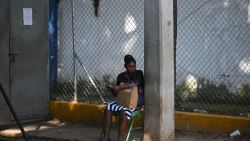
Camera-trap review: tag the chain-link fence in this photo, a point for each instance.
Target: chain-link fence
(94, 36)
(212, 51)
(213, 56)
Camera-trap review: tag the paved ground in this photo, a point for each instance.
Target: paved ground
(54, 131)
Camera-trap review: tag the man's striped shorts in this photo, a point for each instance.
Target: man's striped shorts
(115, 107)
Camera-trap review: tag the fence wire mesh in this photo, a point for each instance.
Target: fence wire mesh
(212, 51)
(94, 36)
(212, 57)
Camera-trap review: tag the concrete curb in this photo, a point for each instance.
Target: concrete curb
(184, 121)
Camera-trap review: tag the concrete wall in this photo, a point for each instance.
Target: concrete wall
(24, 74)
(29, 70)
(4, 58)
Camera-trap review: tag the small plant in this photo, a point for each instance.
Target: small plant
(244, 90)
(243, 94)
(185, 91)
(209, 92)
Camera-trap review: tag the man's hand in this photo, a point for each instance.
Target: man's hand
(112, 89)
(109, 88)
(133, 85)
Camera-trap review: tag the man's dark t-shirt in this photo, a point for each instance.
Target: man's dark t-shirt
(136, 78)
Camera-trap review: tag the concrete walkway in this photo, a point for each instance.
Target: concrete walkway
(56, 131)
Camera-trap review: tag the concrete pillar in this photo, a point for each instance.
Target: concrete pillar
(159, 71)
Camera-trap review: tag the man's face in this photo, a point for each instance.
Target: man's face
(131, 67)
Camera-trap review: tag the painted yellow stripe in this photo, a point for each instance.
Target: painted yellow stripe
(76, 112)
(93, 114)
(211, 123)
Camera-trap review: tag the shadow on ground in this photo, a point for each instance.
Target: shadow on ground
(56, 131)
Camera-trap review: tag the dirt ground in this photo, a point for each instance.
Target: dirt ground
(54, 131)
